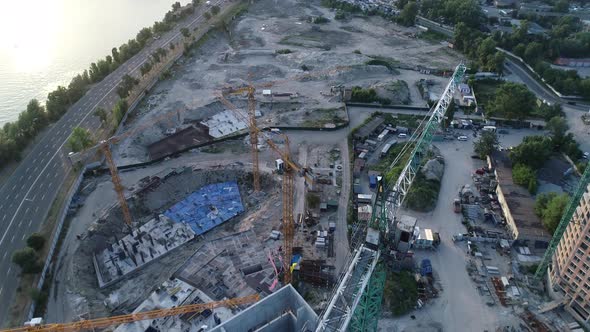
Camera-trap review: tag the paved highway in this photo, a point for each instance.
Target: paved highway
(25, 198)
(540, 89)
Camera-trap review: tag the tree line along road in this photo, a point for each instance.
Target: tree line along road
(27, 195)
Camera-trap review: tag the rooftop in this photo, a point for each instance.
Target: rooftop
(208, 207)
(367, 129)
(178, 142)
(520, 202)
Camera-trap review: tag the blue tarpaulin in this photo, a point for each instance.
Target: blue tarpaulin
(208, 207)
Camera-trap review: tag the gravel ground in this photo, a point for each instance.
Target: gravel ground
(247, 53)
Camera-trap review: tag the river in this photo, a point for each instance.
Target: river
(44, 43)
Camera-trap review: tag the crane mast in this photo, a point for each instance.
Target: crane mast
(287, 213)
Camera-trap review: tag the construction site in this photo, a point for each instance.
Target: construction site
(234, 182)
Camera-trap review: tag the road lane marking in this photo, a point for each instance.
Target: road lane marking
(12, 239)
(27, 210)
(30, 222)
(42, 198)
(4, 256)
(3, 217)
(23, 237)
(9, 269)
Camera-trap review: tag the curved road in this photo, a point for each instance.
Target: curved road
(25, 198)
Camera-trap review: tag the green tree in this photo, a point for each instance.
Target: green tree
(532, 152)
(561, 6)
(27, 260)
(36, 118)
(77, 88)
(485, 52)
(101, 113)
(547, 112)
(146, 67)
(215, 10)
(176, 6)
(497, 64)
(126, 85)
(550, 207)
(512, 101)
(400, 292)
(207, 16)
(115, 54)
(57, 103)
(9, 150)
(185, 32)
(143, 36)
(486, 144)
(80, 139)
(523, 175)
(408, 14)
(196, 2)
(533, 52)
(557, 127)
(119, 111)
(36, 241)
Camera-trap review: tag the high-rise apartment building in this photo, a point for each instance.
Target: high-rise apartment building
(570, 272)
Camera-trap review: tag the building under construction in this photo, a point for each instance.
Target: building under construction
(569, 273)
(285, 310)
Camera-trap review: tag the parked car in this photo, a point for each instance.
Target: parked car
(402, 135)
(586, 155)
(462, 138)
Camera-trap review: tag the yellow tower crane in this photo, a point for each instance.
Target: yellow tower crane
(287, 189)
(105, 148)
(253, 133)
(100, 323)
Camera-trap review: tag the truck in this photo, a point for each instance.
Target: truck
(385, 150)
(372, 181)
(425, 267)
(383, 134)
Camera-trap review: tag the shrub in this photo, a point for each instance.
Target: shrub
(524, 176)
(27, 260)
(36, 241)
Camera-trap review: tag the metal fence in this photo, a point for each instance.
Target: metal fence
(56, 235)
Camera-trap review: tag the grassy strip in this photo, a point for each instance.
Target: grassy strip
(400, 293)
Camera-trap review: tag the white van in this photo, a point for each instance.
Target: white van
(489, 128)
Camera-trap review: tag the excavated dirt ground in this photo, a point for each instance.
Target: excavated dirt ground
(333, 54)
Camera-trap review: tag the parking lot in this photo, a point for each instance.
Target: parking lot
(460, 297)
